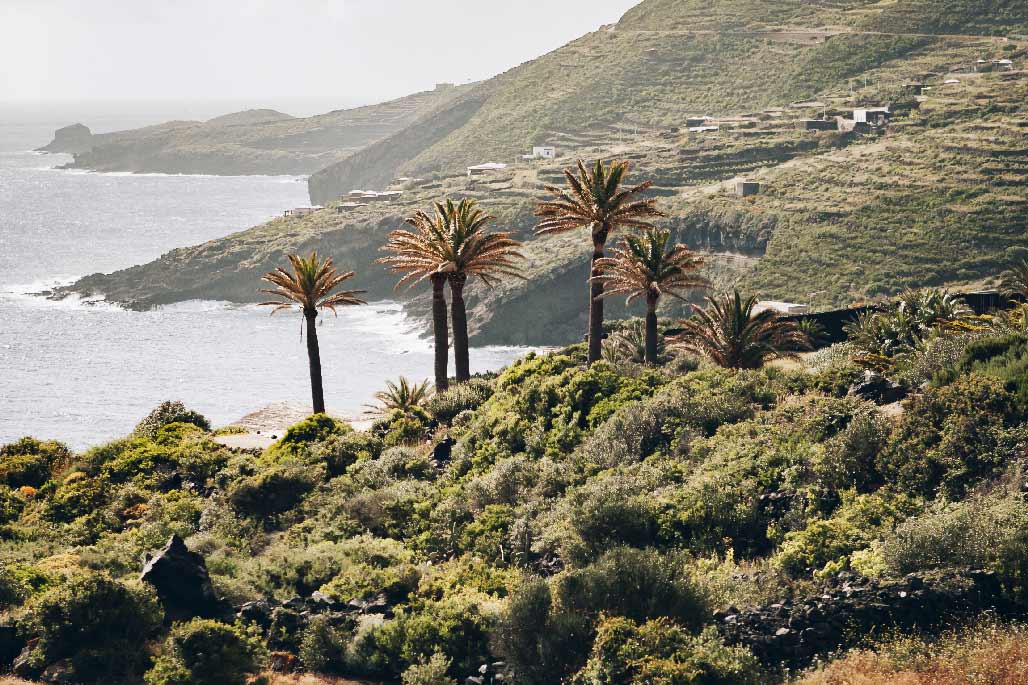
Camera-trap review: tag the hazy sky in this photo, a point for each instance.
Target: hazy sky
(242, 49)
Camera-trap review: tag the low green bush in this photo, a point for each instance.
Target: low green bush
(169, 412)
(302, 437)
(342, 451)
(446, 405)
(658, 651)
(205, 652)
(31, 462)
(99, 624)
(272, 491)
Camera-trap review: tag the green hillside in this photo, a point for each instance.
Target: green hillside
(936, 198)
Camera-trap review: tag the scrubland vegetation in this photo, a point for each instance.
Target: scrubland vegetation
(589, 524)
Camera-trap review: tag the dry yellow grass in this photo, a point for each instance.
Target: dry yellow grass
(990, 655)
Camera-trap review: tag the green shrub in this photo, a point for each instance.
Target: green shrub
(165, 413)
(446, 405)
(11, 504)
(860, 521)
(301, 437)
(99, 624)
(985, 531)
(322, 647)
(658, 651)
(31, 462)
(273, 491)
(340, 452)
(547, 630)
(205, 652)
(951, 438)
(432, 671)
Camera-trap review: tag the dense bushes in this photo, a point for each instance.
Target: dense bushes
(205, 652)
(99, 625)
(30, 462)
(659, 651)
(272, 491)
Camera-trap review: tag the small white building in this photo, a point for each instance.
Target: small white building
(302, 211)
(780, 307)
(487, 168)
(542, 152)
(704, 129)
(1003, 63)
(875, 116)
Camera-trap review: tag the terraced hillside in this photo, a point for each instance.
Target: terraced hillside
(256, 141)
(670, 59)
(936, 197)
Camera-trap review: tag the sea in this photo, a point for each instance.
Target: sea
(86, 372)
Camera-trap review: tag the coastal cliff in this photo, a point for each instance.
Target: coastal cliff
(71, 140)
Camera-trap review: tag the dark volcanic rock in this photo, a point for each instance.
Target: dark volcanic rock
(878, 389)
(71, 140)
(182, 583)
(850, 607)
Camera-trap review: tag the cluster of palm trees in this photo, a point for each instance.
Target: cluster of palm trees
(452, 244)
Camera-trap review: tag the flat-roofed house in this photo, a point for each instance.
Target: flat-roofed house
(487, 168)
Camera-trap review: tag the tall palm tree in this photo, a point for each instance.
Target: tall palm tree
(646, 266)
(466, 250)
(309, 286)
(404, 395)
(595, 199)
(731, 335)
(413, 254)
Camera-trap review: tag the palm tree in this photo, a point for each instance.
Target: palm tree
(731, 335)
(646, 266)
(414, 254)
(467, 250)
(405, 396)
(1015, 281)
(309, 286)
(594, 199)
(453, 245)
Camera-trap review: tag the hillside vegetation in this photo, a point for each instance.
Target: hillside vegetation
(554, 523)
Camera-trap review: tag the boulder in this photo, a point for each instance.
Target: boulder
(442, 451)
(59, 672)
(182, 583)
(877, 389)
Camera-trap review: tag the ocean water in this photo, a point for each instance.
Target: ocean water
(84, 373)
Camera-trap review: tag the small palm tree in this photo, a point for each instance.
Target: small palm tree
(647, 267)
(594, 199)
(731, 335)
(310, 287)
(1014, 281)
(414, 253)
(629, 344)
(405, 396)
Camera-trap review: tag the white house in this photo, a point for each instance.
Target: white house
(876, 116)
(542, 152)
(302, 211)
(703, 129)
(780, 307)
(488, 167)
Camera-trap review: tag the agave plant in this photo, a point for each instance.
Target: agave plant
(310, 286)
(646, 266)
(405, 396)
(732, 335)
(897, 330)
(594, 199)
(1014, 281)
(630, 344)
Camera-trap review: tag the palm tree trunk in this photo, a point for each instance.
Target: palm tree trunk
(314, 358)
(596, 299)
(459, 315)
(442, 337)
(651, 328)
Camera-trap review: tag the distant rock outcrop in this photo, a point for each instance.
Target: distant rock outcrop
(70, 140)
(182, 583)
